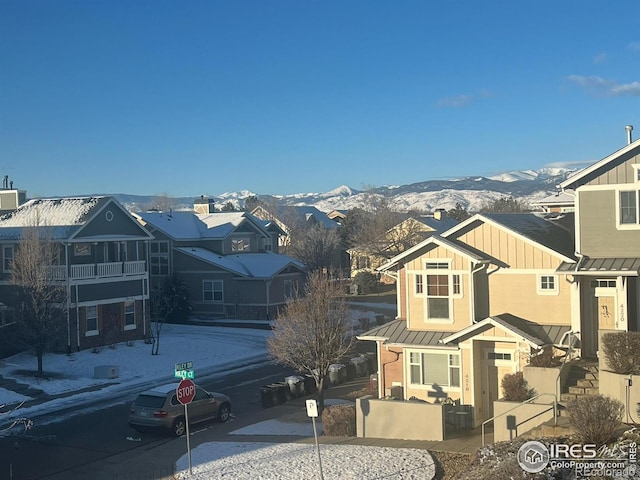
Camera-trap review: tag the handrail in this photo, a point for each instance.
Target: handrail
(555, 412)
(571, 335)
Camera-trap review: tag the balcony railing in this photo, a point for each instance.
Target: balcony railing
(100, 270)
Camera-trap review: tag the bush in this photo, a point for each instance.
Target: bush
(515, 388)
(622, 352)
(367, 282)
(544, 358)
(595, 418)
(339, 421)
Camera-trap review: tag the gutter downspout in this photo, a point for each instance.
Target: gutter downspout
(68, 287)
(384, 371)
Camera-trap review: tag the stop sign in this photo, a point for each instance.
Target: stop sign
(186, 391)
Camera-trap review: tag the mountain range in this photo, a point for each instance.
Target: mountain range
(470, 192)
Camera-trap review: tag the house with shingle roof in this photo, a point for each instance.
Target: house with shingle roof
(102, 262)
(230, 261)
(474, 303)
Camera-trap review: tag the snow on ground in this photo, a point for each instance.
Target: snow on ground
(293, 461)
(211, 349)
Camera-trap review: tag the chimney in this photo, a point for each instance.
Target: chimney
(204, 205)
(629, 129)
(439, 213)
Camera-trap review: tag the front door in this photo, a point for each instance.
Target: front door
(494, 367)
(606, 313)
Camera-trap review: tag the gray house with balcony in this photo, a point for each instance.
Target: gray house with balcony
(228, 260)
(102, 260)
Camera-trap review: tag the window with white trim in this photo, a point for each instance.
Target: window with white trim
(212, 291)
(442, 369)
(547, 284)
(91, 319)
(268, 244)
(159, 258)
(129, 315)
(7, 257)
(419, 285)
(439, 288)
(240, 244)
(628, 207)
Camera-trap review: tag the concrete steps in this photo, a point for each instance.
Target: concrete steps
(559, 428)
(582, 380)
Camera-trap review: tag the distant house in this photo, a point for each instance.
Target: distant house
(102, 262)
(292, 218)
(229, 261)
(10, 198)
(559, 202)
(410, 232)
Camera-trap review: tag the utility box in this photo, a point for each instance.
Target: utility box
(106, 371)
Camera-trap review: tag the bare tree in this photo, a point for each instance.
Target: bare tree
(170, 302)
(162, 202)
(313, 331)
(315, 246)
(42, 298)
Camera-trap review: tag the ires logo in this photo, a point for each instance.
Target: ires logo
(534, 456)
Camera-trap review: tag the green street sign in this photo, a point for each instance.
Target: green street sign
(184, 370)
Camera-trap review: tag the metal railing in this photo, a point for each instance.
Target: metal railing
(100, 270)
(554, 404)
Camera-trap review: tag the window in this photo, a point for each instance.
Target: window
(240, 245)
(288, 289)
(437, 292)
(628, 204)
(81, 249)
(604, 283)
(548, 284)
(92, 320)
(212, 291)
(159, 258)
(268, 244)
(498, 356)
(129, 315)
(442, 369)
(7, 257)
(419, 287)
(457, 286)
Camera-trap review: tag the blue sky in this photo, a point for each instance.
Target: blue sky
(281, 97)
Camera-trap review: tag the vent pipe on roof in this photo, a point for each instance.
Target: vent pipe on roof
(629, 129)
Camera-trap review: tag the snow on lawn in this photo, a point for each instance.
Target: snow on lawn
(209, 348)
(293, 461)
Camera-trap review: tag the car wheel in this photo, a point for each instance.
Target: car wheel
(179, 427)
(223, 412)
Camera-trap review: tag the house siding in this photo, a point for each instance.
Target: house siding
(599, 236)
(517, 294)
(620, 172)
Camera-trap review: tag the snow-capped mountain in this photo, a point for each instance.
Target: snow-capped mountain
(470, 192)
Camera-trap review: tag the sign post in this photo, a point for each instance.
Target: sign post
(185, 392)
(312, 411)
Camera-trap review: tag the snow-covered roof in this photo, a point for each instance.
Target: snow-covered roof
(61, 217)
(190, 225)
(254, 265)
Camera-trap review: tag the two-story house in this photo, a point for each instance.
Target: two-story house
(473, 304)
(228, 260)
(102, 261)
(607, 245)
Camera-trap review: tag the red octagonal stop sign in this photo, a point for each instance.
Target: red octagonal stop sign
(186, 391)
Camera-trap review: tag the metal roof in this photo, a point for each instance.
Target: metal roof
(602, 266)
(396, 333)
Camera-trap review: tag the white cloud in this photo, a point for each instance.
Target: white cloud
(602, 86)
(600, 58)
(460, 101)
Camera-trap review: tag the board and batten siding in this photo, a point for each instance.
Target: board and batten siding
(514, 251)
(621, 173)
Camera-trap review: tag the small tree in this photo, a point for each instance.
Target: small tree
(170, 302)
(42, 298)
(595, 418)
(622, 351)
(313, 331)
(515, 388)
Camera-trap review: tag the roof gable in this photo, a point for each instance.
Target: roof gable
(610, 162)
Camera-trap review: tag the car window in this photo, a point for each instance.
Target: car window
(174, 400)
(149, 401)
(200, 394)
